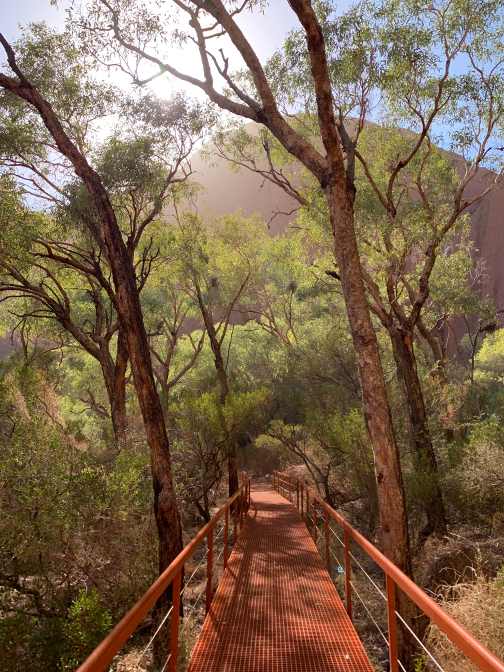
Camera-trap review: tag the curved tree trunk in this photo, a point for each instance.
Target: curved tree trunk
(107, 235)
(393, 517)
(424, 459)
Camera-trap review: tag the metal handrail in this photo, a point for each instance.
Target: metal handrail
(467, 643)
(104, 652)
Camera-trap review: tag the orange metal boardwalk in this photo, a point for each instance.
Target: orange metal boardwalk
(276, 608)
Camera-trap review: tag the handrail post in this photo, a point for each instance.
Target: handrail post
(314, 521)
(307, 508)
(176, 586)
(302, 500)
(283, 486)
(235, 516)
(290, 490)
(348, 586)
(241, 509)
(328, 559)
(297, 494)
(209, 571)
(226, 536)
(392, 623)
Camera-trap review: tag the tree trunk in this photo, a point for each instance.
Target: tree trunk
(424, 459)
(438, 349)
(393, 517)
(233, 472)
(224, 388)
(165, 503)
(164, 398)
(114, 376)
(109, 239)
(404, 396)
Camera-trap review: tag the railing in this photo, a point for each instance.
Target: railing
(466, 642)
(172, 575)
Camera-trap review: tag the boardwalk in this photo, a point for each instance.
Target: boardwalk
(276, 608)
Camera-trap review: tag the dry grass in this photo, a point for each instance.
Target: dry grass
(479, 607)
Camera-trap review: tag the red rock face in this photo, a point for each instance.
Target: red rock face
(227, 191)
(487, 224)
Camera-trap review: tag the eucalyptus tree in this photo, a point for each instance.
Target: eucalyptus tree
(139, 37)
(283, 292)
(405, 53)
(405, 292)
(403, 60)
(107, 198)
(170, 312)
(217, 261)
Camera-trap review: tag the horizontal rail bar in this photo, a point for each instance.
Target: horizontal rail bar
(466, 642)
(105, 651)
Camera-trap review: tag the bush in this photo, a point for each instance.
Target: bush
(473, 488)
(71, 529)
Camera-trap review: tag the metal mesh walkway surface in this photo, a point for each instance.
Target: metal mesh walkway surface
(276, 608)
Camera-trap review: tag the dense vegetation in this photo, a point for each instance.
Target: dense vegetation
(162, 351)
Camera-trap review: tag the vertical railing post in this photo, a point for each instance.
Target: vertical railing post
(297, 494)
(392, 624)
(290, 490)
(328, 559)
(241, 509)
(176, 585)
(302, 499)
(307, 508)
(242, 500)
(348, 586)
(226, 536)
(209, 571)
(235, 531)
(314, 521)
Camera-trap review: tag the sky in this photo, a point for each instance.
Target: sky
(265, 31)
